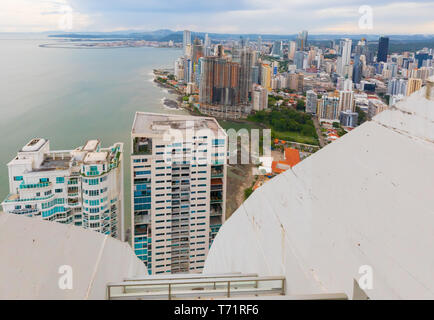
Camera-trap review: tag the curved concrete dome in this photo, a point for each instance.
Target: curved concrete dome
(33, 251)
(365, 200)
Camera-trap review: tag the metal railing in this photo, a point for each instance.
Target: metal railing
(226, 282)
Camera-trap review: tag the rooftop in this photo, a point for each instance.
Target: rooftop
(364, 200)
(96, 157)
(34, 145)
(156, 124)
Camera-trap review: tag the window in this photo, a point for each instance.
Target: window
(60, 180)
(18, 178)
(93, 182)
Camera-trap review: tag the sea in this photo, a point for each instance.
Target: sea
(69, 95)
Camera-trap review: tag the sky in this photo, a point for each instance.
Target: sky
(220, 16)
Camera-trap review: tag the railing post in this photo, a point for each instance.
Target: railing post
(170, 292)
(229, 289)
(214, 286)
(108, 292)
(283, 287)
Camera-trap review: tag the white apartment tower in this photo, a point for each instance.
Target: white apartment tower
(178, 187)
(186, 42)
(346, 97)
(344, 59)
(83, 186)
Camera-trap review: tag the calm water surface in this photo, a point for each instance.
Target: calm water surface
(71, 95)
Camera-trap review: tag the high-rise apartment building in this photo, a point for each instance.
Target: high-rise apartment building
(219, 83)
(302, 40)
(186, 41)
(266, 72)
(83, 186)
(397, 87)
(346, 97)
(299, 58)
(259, 98)
(383, 49)
(413, 85)
(295, 81)
(178, 187)
(344, 60)
(349, 118)
(245, 77)
(292, 47)
(328, 108)
(311, 102)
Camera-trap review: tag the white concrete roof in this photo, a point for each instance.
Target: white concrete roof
(366, 199)
(34, 145)
(91, 145)
(32, 251)
(146, 123)
(94, 157)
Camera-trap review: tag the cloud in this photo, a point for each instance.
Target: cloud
(39, 16)
(229, 16)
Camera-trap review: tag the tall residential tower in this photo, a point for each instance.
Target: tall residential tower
(178, 183)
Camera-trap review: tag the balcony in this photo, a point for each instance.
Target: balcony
(142, 219)
(35, 185)
(216, 210)
(73, 182)
(217, 172)
(141, 230)
(142, 146)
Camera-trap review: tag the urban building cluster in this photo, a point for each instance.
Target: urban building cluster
(231, 79)
(179, 182)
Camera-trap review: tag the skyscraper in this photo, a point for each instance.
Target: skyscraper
(311, 102)
(357, 69)
(344, 59)
(302, 40)
(299, 59)
(383, 49)
(413, 85)
(277, 49)
(207, 45)
(259, 98)
(292, 48)
(328, 108)
(259, 43)
(346, 97)
(186, 41)
(219, 82)
(245, 77)
(83, 186)
(197, 51)
(178, 187)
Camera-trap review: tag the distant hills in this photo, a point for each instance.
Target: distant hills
(176, 36)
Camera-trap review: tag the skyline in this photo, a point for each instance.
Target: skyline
(247, 16)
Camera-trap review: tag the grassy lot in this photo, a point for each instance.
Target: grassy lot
(294, 136)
